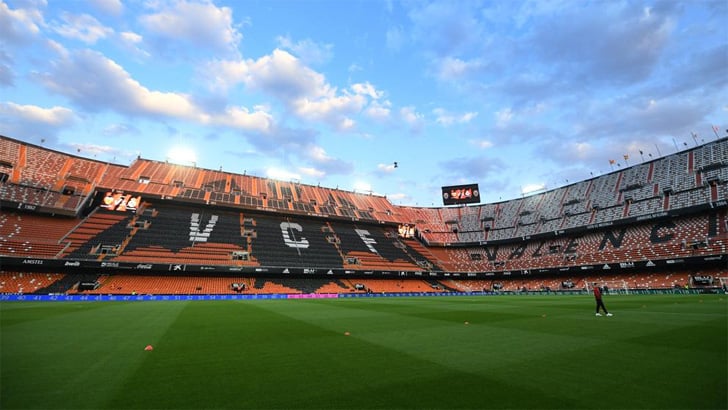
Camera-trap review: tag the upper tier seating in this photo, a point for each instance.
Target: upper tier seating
(695, 177)
(665, 239)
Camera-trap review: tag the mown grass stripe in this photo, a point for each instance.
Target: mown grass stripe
(514, 352)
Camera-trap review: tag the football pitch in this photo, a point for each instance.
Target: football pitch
(525, 352)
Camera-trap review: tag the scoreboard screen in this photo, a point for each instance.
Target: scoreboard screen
(406, 231)
(460, 194)
(117, 201)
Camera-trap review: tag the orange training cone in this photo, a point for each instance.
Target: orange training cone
(149, 347)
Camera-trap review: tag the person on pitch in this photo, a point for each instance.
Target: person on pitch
(600, 303)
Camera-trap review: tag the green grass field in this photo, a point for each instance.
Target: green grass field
(661, 352)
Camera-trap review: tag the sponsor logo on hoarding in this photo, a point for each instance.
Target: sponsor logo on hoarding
(626, 264)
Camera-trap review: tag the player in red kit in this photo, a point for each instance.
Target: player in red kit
(598, 297)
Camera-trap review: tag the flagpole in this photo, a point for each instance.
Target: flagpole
(715, 131)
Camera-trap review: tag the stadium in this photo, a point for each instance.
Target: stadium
(396, 306)
(76, 226)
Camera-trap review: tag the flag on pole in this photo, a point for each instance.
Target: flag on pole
(611, 162)
(626, 157)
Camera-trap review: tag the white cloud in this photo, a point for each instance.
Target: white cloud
(484, 144)
(89, 78)
(307, 50)
(81, 27)
(279, 73)
(302, 90)
(120, 129)
(324, 164)
(112, 7)
(312, 172)
(318, 154)
(414, 119)
(410, 115)
(331, 108)
(386, 168)
(7, 76)
(398, 197)
(620, 45)
(503, 117)
(282, 174)
(346, 123)
(362, 186)
(95, 149)
(367, 89)
(52, 116)
(242, 118)
(130, 37)
(201, 24)
(453, 68)
(34, 122)
(445, 118)
(133, 42)
(20, 24)
(378, 110)
(57, 48)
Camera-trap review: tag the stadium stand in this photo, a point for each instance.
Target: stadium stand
(655, 224)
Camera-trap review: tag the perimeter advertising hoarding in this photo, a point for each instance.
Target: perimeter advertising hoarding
(460, 194)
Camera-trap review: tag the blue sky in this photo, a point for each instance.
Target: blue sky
(512, 95)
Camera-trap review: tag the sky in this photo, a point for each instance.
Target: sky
(516, 96)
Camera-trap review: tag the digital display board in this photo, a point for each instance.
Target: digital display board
(406, 231)
(117, 201)
(460, 194)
